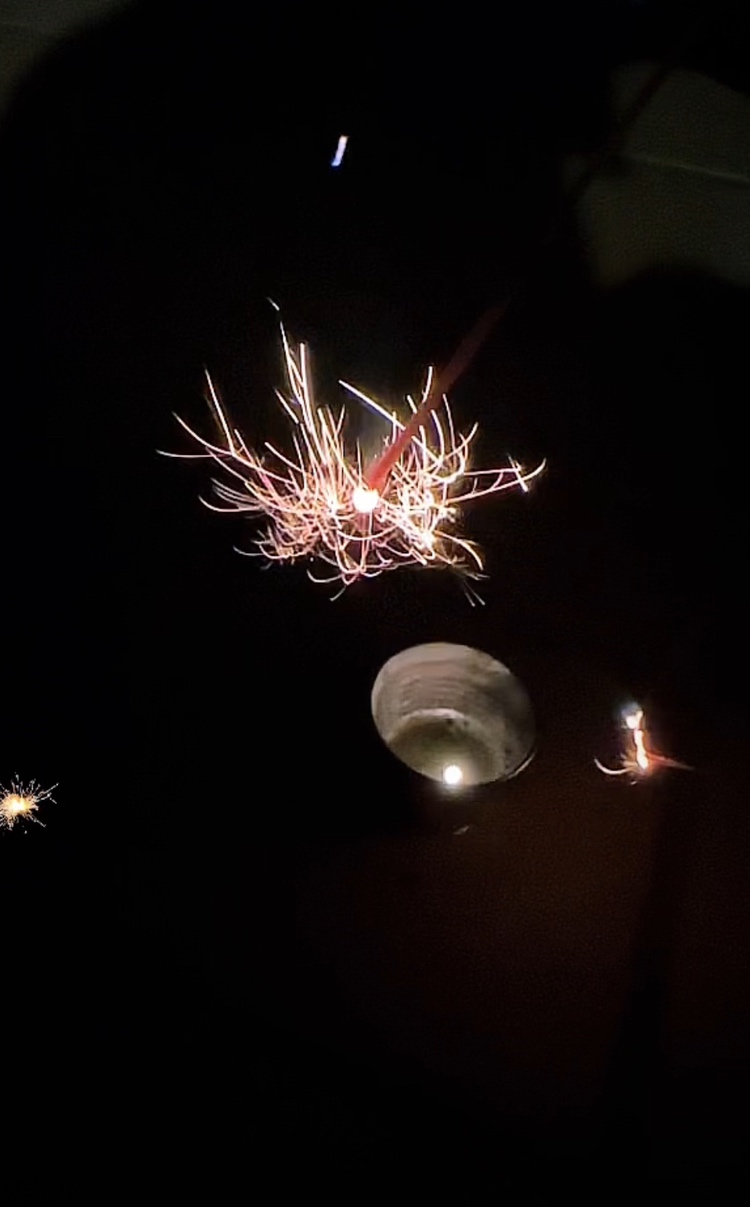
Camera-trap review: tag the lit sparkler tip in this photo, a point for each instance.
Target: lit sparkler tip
(365, 500)
(453, 776)
(20, 802)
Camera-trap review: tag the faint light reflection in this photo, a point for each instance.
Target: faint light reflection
(340, 151)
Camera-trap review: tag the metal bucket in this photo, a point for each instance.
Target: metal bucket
(454, 714)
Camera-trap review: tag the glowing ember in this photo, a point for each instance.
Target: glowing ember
(365, 501)
(638, 760)
(323, 505)
(20, 802)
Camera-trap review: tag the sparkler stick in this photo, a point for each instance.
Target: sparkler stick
(377, 475)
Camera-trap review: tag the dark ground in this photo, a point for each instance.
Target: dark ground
(245, 937)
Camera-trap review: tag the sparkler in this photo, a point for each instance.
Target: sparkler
(638, 760)
(323, 505)
(20, 802)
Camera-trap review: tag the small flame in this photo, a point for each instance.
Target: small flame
(638, 761)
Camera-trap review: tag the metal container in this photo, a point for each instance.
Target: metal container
(454, 714)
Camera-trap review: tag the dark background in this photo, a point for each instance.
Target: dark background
(246, 937)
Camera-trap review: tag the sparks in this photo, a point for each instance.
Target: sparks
(638, 759)
(323, 505)
(20, 802)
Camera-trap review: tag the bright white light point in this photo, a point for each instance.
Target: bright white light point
(452, 775)
(364, 500)
(633, 719)
(340, 149)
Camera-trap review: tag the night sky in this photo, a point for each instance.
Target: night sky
(247, 936)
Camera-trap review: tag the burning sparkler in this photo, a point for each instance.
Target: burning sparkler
(20, 802)
(322, 503)
(639, 760)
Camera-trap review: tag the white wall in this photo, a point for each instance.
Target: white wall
(680, 192)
